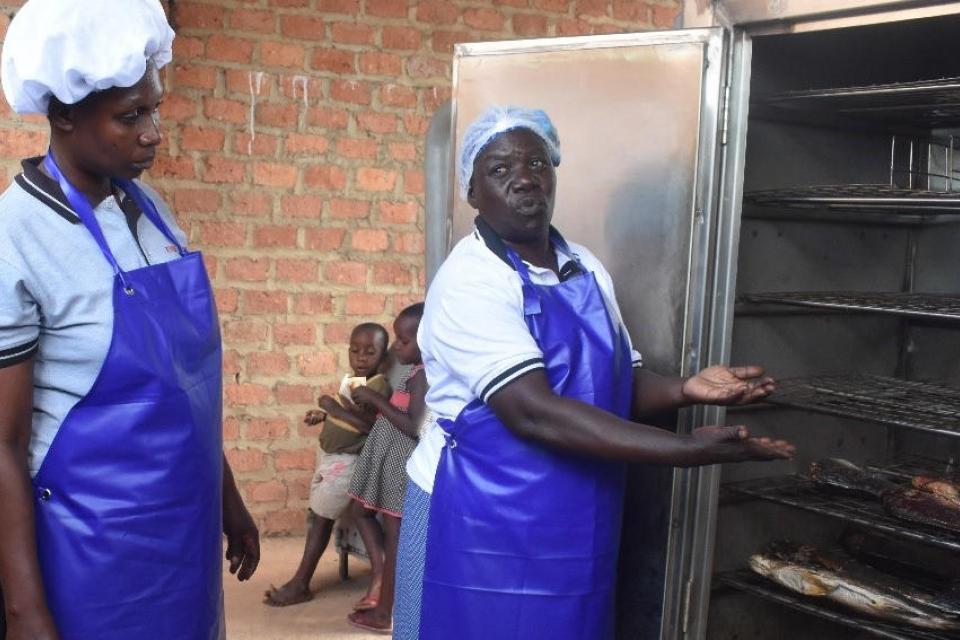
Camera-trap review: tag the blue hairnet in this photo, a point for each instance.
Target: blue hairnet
(497, 120)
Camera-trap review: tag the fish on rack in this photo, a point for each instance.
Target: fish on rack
(840, 579)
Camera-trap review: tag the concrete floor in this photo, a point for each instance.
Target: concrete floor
(323, 618)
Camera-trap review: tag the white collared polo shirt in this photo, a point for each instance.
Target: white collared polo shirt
(56, 289)
(473, 336)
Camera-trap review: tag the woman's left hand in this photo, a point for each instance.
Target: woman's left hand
(243, 538)
(728, 385)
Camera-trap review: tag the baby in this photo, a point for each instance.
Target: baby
(345, 429)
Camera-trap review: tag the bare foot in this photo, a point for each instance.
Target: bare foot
(288, 594)
(372, 620)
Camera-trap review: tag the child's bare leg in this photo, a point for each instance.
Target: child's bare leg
(381, 616)
(372, 535)
(297, 589)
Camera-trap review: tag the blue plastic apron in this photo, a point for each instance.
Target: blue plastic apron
(523, 541)
(128, 499)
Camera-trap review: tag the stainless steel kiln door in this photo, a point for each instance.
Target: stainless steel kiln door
(640, 118)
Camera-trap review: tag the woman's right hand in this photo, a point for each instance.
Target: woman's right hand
(734, 444)
(37, 625)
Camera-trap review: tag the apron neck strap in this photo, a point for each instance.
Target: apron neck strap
(496, 244)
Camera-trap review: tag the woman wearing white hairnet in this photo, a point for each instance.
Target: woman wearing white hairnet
(512, 516)
(114, 488)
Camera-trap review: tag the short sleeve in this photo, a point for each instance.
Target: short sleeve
(19, 318)
(475, 331)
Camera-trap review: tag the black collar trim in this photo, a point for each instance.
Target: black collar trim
(496, 244)
(45, 189)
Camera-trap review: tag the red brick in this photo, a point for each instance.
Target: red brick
(269, 363)
(304, 459)
(245, 460)
(357, 148)
(198, 201)
(212, 265)
(399, 212)
(250, 203)
(377, 122)
(410, 243)
(264, 302)
(369, 240)
(395, 95)
(267, 428)
(343, 208)
(297, 270)
(443, 41)
(573, 27)
(217, 169)
(272, 114)
(328, 118)
(302, 206)
(437, 12)
(316, 364)
(165, 166)
(347, 7)
(231, 428)
(350, 91)
(337, 333)
(512, 3)
(350, 273)
(403, 300)
(275, 236)
(559, 6)
(295, 394)
(275, 175)
(325, 239)
(387, 8)
(262, 145)
(301, 87)
(433, 97)
(245, 331)
(226, 110)
(247, 269)
(266, 491)
(603, 27)
(195, 15)
(400, 38)
(427, 67)
(186, 48)
(290, 3)
(178, 108)
(631, 10)
(375, 63)
(402, 150)
(301, 333)
(302, 27)
(227, 49)
(261, 21)
(392, 273)
(413, 181)
(371, 179)
(662, 16)
(296, 143)
(334, 60)
(280, 54)
(227, 300)
(246, 394)
(360, 303)
(194, 76)
(201, 139)
(484, 19)
(593, 8)
(245, 81)
(281, 522)
(527, 24)
(313, 303)
(350, 33)
(231, 364)
(326, 177)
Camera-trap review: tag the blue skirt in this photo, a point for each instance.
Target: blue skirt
(410, 559)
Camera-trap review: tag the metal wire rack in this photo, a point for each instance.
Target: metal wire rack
(928, 103)
(901, 403)
(851, 197)
(917, 305)
(800, 492)
(749, 582)
(907, 467)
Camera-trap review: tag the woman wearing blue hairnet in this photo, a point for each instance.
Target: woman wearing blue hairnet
(512, 516)
(114, 491)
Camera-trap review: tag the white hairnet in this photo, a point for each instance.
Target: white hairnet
(71, 48)
(497, 120)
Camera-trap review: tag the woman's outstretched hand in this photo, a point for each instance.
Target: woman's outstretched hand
(734, 444)
(728, 385)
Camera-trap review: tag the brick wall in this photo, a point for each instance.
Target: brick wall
(294, 143)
